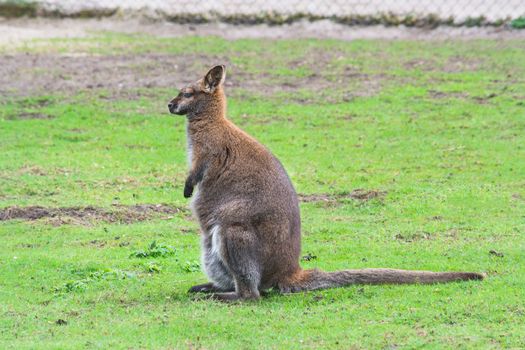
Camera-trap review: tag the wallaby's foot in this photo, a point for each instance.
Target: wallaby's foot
(289, 289)
(233, 296)
(206, 288)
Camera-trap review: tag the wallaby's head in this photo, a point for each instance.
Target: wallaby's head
(201, 96)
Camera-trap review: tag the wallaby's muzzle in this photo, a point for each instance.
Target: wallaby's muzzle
(175, 108)
(172, 107)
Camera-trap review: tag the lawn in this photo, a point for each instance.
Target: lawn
(406, 154)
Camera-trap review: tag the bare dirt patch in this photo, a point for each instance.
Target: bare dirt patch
(127, 214)
(439, 95)
(357, 194)
(25, 75)
(423, 64)
(129, 76)
(412, 237)
(133, 76)
(32, 170)
(90, 215)
(35, 103)
(459, 64)
(455, 64)
(484, 99)
(29, 115)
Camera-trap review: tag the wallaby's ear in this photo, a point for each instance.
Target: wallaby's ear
(214, 78)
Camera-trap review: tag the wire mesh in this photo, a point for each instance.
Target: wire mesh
(389, 12)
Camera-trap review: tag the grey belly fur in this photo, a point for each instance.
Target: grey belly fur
(212, 260)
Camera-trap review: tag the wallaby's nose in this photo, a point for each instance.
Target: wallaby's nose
(170, 106)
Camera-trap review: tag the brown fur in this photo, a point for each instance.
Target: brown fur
(248, 209)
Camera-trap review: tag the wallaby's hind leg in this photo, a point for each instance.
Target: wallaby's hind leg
(212, 260)
(240, 254)
(208, 288)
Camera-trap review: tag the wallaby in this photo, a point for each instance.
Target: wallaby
(248, 209)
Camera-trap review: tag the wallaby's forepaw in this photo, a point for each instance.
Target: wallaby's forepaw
(188, 190)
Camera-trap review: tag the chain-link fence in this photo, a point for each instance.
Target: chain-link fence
(418, 13)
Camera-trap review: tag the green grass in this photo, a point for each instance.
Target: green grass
(443, 134)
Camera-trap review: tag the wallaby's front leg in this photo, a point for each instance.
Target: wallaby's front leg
(195, 176)
(188, 187)
(240, 252)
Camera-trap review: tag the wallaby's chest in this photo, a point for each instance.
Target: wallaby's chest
(189, 149)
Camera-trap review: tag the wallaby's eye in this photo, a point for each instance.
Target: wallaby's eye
(187, 94)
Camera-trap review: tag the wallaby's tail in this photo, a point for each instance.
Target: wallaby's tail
(317, 279)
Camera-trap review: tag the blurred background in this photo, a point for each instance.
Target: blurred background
(390, 12)
(410, 13)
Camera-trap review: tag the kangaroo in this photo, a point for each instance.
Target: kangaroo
(248, 209)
